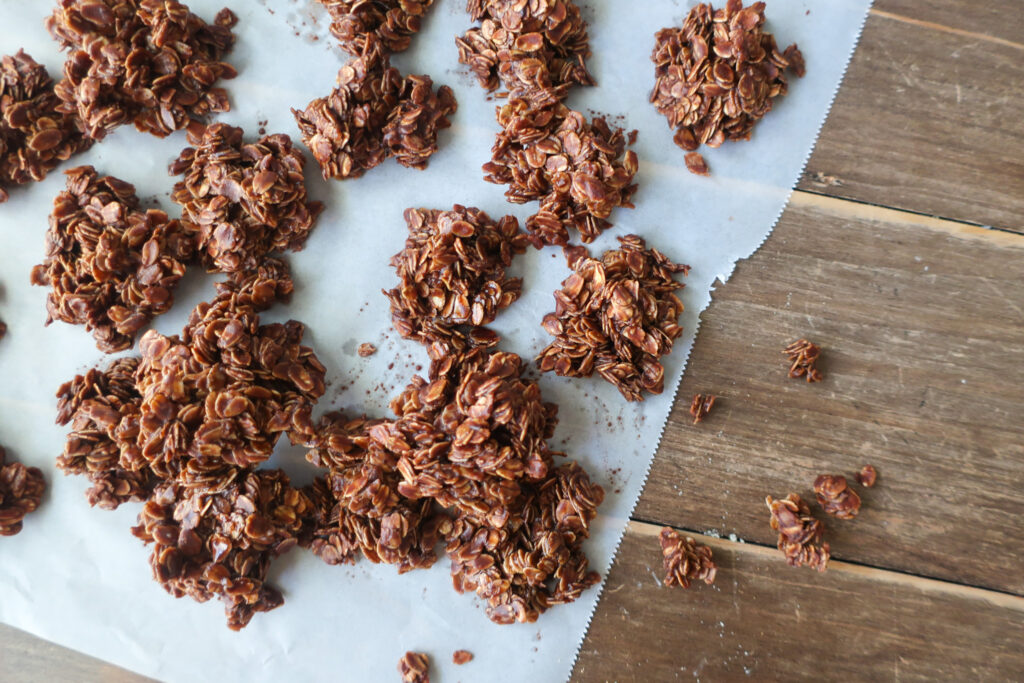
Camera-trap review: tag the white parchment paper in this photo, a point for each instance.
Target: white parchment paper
(76, 576)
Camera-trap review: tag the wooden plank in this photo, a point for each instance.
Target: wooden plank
(928, 120)
(997, 20)
(922, 323)
(28, 659)
(763, 620)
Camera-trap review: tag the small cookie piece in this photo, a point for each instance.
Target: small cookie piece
(685, 560)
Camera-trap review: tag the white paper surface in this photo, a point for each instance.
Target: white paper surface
(76, 576)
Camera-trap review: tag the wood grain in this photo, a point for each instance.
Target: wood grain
(928, 121)
(763, 620)
(997, 19)
(921, 330)
(27, 659)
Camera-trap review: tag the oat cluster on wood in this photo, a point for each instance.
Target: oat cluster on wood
(35, 135)
(152, 63)
(836, 497)
(799, 532)
(685, 560)
(867, 476)
(616, 316)
(578, 170)
(803, 357)
(21, 490)
(247, 200)
(110, 265)
(718, 74)
(701, 406)
(452, 272)
(375, 113)
(531, 48)
(392, 22)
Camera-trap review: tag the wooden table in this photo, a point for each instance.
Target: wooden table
(902, 254)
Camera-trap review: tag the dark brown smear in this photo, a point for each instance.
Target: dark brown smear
(452, 272)
(579, 171)
(247, 200)
(3, 329)
(460, 657)
(366, 350)
(616, 316)
(685, 560)
(799, 533)
(35, 136)
(110, 265)
(392, 22)
(835, 497)
(375, 113)
(21, 491)
(148, 62)
(803, 355)
(696, 164)
(414, 667)
(701, 406)
(867, 476)
(534, 49)
(718, 75)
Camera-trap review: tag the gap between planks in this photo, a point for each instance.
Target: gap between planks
(947, 29)
(856, 210)
(921, 583)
